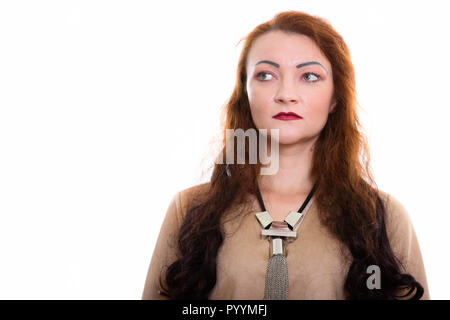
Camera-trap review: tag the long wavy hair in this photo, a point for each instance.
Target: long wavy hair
(347, 196)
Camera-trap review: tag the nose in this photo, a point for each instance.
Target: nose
(286, 99)
(286, 94)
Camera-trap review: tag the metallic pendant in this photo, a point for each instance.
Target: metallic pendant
(292, 219)
(279, 234)
(277, 246)
(265, 219)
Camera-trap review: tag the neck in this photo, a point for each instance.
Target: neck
(294, 174)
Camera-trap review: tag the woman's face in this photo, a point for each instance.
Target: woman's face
(279, 84)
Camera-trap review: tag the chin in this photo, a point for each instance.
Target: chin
(288, 141)
(288, 138)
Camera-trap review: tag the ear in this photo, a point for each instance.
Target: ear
(332, 106)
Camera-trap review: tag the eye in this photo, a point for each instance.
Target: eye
(262, 73)
(308, 76)
(313, 74)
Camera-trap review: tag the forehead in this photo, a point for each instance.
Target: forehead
(286, 49)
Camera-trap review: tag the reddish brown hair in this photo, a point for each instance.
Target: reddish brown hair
(347, 197)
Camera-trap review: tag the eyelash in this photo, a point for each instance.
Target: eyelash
(316, 75)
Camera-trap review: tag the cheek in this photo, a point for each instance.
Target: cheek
(318, 103)
(258, 114)
(316, 116)
(259, 102)
(317, 109)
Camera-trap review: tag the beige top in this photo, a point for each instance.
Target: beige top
(317, 262)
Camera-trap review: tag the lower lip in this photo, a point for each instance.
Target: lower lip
(287, 118)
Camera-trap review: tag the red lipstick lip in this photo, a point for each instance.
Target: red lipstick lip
(287, 116)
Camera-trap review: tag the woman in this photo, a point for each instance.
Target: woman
(354, 242)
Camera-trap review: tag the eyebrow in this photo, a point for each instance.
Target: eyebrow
(297, 66)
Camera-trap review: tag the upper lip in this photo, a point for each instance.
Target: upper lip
(286, 114)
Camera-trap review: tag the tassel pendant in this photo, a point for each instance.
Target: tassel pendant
(277, 280)
(279, 234)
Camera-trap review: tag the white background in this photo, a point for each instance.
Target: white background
(107, 109)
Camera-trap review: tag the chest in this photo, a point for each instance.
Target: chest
(316, 262)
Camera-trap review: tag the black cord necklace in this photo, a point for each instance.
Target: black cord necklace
(293, 216)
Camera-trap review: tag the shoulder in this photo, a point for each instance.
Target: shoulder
(397, 218)
(188, 197)
(401, 234)
(404, 241)
(178, 206)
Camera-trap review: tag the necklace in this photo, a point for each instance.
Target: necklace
(279, 234)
